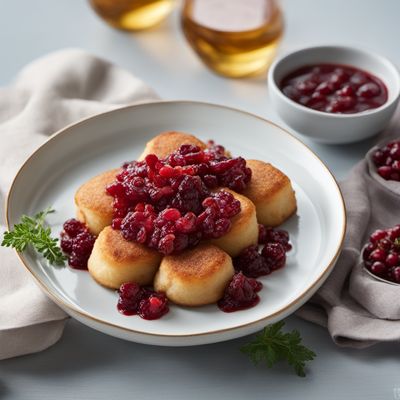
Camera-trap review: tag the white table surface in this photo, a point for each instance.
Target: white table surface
(86, 364)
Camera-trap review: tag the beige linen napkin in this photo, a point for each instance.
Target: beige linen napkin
(357, 309)
(47, 95)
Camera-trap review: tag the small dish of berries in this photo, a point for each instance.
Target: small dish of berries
(387, 161)
(381, 255)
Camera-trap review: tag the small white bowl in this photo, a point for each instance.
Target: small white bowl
(378, 278)
(334, 128)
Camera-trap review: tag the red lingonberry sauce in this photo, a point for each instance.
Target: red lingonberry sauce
(77, 242)
(136, 300)
(337, 89)
(382, 254)
(240, 294)
(254, 263)
(167, 203)
(387, 161)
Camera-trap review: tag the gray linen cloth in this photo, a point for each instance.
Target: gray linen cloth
(47, 95)
(357, 309)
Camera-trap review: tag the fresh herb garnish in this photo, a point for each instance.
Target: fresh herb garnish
(32, 230)
(273, 345)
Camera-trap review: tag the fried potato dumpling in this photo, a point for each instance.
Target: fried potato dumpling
(271, 192)
(114, 260)
(166, 142)
(195, 277)
(94, 205)
(244, 228)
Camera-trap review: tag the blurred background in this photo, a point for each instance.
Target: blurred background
(162, 57)
(29, 29)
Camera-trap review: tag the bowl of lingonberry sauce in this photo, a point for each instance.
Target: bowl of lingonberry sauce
(381, 255)
(334, 94)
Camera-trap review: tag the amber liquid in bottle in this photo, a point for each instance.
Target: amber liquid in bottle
(132, 15)
(235, 38)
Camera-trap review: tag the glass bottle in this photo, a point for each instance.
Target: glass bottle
(235, 38)
(132, 15)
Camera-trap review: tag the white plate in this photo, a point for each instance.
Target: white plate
(75, 154)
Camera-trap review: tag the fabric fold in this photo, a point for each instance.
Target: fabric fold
(358, 309)
(48, 94)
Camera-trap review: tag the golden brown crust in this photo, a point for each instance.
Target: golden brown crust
(271, 192)
(119, 251)
(266, 181)
(92, 194)
(115, 261)
(166, 142)
(196, 277)
(196, 264)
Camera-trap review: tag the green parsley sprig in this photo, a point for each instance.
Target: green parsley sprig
(33, 231)
(272, 345)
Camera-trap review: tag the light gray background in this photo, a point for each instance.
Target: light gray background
(86, 364)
